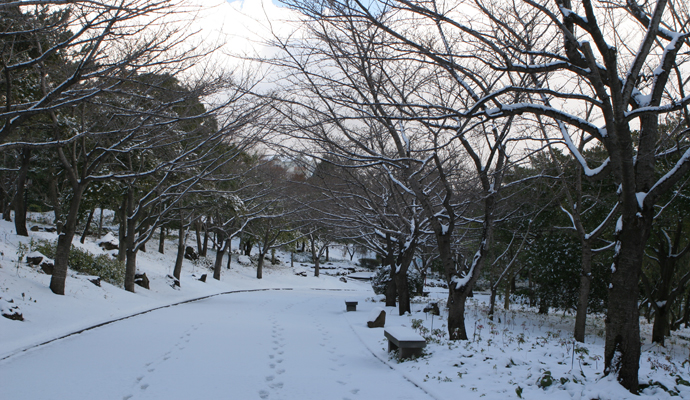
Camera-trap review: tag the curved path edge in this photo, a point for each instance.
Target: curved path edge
(24, 349)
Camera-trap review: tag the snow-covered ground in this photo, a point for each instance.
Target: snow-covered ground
(255, 339)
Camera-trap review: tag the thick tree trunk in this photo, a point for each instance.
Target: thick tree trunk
(660, 328)
(64, 244)
(402, 266)
(19, 196)
(583, 299)
(622, 345)
(456, 314)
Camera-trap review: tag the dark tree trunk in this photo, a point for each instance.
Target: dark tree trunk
(64, 244)
(180, 250)
(130, 249)
(400, 269)
(622, 345)
(161, 241)
(219, 260)
(260, 266)
(100, 224)
(19, 196)
(314, 256)
(86, 228)
(583, 299)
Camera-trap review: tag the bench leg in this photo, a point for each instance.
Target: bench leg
(391, 346)
(407, 352)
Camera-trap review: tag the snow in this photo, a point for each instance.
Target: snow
(285, 337)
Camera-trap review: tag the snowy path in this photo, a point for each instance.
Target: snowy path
(260, 345)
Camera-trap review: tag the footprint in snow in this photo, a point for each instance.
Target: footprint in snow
(129, 396)
(280, 371)
(144, 386)
(270, 378)
(263, 394)
(277, 385)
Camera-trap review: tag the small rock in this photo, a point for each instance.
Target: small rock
(142, 280)
(342, 279)
(11, 311)
(377, 318)
(35, 228)
(96, 280)
(34, 258)
(47, 266)
(203, 278)
(173, 282)
(190, 253)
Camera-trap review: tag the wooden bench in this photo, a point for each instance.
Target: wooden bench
(350, 305)
(407, 341)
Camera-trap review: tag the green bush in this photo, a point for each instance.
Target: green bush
(415, 282)
(103, 265)
(369, 263)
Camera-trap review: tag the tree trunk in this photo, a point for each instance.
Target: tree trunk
(583, 299)
(401, 268)
(161, 241)
(660, 327)
(260, 266)
(86, 228)
(64, 244)
(130, 249)
(506, 297)
(180, 250)
(327, 255)
(492, 301)
(622, 346)
(219, 260)
(204, 248)
(456, 314)
(229, 252)
(199, 245)
(314, 256)
(19, 196)
(100, 224)
(391, 290)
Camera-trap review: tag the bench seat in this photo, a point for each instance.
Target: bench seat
(407, 341)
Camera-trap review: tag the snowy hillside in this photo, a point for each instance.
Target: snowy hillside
(248, 341)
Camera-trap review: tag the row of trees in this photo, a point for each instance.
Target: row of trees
(101, 108)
